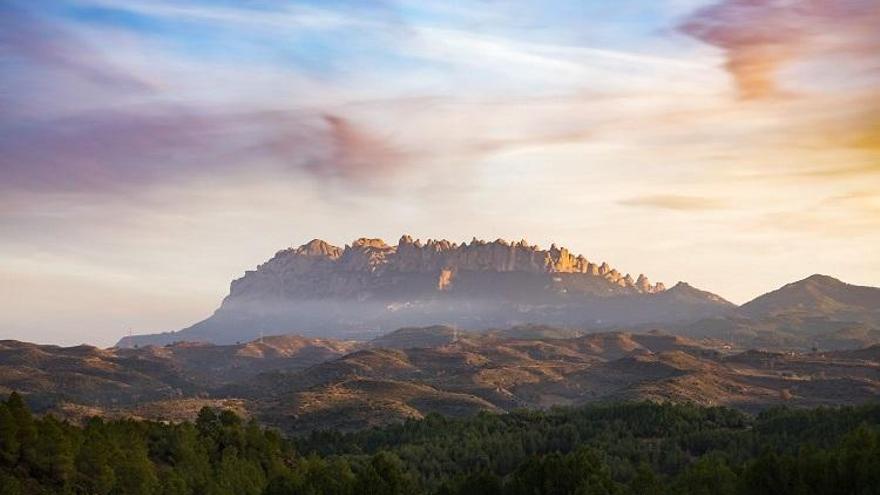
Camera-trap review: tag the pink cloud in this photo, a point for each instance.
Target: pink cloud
(125, 146)
(759, 37)
(356, 153)
(106, 151)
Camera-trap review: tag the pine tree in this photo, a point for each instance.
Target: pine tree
(54, 453)
(9, 444)
(134, 473)
(94, 473)
(26, 433)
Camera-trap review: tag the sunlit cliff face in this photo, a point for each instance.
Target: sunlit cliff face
(151, 151)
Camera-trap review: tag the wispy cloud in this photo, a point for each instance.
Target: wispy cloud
(282, 17)
(674, 202)
(839, 171)
(24, 36)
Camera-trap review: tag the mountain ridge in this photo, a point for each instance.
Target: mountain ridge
(368, 286)
(300, 384)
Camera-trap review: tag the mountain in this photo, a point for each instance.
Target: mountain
(818, 312)
(818, 296)
(368, 286)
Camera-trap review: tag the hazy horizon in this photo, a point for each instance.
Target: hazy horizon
(152, 151)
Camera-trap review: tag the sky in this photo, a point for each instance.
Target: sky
(152, 151)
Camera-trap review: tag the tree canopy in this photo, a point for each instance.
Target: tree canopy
(626, 448)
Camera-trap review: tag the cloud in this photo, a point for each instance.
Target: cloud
(263, 122)
(867, 198)
(282, 17)
(101, 149)
(846, 221)
(114, 150)
(812, 67)
(206, 117)
(838, 171)
(356, 153)
(761, 37)
(674, 202)
(25, 36)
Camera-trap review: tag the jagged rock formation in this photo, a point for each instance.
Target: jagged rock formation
(367, 286)
(318, 269)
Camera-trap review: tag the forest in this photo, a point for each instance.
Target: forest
(622, 448)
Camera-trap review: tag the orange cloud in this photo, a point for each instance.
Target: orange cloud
(855, 124)
(868, 136)
(674, 202)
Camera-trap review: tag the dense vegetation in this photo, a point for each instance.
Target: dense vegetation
(609, 449)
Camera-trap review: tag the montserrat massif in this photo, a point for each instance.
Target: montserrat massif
(369, 286)
(334, 270)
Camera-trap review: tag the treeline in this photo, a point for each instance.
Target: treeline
(636, 448)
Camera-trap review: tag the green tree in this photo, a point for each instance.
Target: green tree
(208, 423)
(94, 473)
(385, 475)
(54, 458)
(134, 473)
(645, 482)
(191, 457)
(581, 471)
(172, 483)
(235, 475)
(26, 433)
(478, 483)
(9, 444)
(10, 485)
(861, 457)
(710, 475)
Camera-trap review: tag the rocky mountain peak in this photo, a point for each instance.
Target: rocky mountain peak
(445, 259)
(365, 242)
(319, 248)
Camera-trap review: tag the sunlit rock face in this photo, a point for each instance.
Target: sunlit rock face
(318, 269)
(368, 286)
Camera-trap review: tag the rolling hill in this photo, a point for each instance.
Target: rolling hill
(299, 384)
